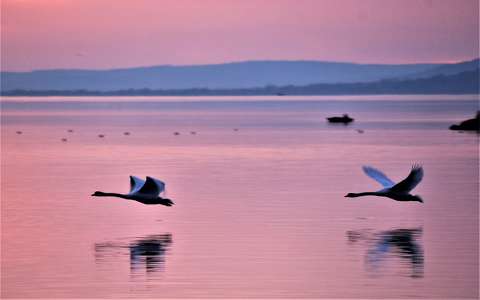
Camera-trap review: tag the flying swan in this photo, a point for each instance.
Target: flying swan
(399, 191)
(146, 192)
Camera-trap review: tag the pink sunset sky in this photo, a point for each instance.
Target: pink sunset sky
(99, 34)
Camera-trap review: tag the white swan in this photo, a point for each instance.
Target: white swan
(146, 192)
(399, 191)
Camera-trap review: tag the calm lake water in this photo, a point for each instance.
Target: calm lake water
(259, 211)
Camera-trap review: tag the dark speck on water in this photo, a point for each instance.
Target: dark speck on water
(345, 119)
(19, 132)
(101, 135)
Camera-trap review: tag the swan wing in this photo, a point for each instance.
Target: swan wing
(160, 184)
(412, 180)
(378, 176)
(152, 187)
(135, 184)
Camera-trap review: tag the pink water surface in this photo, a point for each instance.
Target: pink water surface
(259, 212)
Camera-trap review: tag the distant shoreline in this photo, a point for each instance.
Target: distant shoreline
(462, 83)
(111, 94)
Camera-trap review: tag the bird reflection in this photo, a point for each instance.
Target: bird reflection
(383, 245)
(148, 252)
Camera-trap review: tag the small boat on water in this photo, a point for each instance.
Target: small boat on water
(345, 119)
(468, 125)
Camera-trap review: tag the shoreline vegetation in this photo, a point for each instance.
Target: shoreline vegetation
(462, 83)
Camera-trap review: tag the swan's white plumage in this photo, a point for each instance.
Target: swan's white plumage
(378, 176)
(152, 187)
(135, 184)
(160, 184)
(409, 183)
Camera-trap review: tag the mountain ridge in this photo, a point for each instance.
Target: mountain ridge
(233, 63)
(462, 83)
(249, 74)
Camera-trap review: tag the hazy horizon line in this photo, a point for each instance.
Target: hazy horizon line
(239, 62)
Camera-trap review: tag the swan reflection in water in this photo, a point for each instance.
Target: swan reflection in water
(384, 245)
(149, 251)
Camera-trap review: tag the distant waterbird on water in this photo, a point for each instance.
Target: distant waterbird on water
(399, 191)
(144, 191)
(345, 119)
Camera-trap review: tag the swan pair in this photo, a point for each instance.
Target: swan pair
(399, 191)
(148, 191)
(144, 191)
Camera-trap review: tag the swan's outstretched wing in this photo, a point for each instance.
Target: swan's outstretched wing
(160, 184)
(378, 176)
(152, 187)
(412, 180)
(135, 184)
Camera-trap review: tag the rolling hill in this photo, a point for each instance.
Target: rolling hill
(229, 75)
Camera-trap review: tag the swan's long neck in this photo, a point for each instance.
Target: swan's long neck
(365, 194)
(102, 194)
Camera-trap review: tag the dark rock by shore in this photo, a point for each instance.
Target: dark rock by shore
(470, 124)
